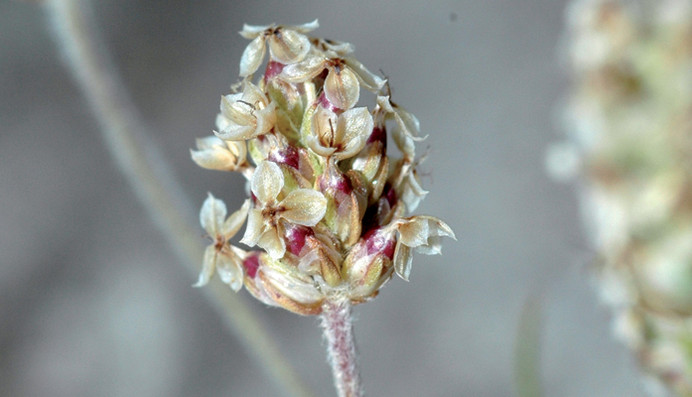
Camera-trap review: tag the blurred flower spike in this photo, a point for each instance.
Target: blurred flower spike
(628, 125)
(329, 208)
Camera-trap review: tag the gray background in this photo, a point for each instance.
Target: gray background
(93, 303)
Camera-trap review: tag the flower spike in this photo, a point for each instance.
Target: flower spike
(328, 216)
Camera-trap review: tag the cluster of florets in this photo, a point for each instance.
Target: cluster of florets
(328, 205)
(630, 124)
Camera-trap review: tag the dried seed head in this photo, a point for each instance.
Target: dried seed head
(329, 204)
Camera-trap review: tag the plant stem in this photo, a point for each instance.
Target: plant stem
(338, 330)
(149, 176)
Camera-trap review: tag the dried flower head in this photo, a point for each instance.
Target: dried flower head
(329, 205)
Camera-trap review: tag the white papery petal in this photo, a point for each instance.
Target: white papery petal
(266, 118)
(420, 231)
(290, 47)
(433, 247)
(252, 31)
(267, 181)
(252, 56)
(293, 287)
(408, 122)
(212, 215)
(412, 192)
(323, 132)
(353, 129)
(306, 27)
(237, 109)
(316, 146)
(369, 80)
(402, 261)
(219, 159)
(235, 221)
(414, 232)
(221, 121)
(208, 266)
(342, 88)
(336, 49)
(304, 207)
(209, 142)
(304, 70)
(235, 132)
(252, 94)
(230, 271)
(273, 243)
(254, 228)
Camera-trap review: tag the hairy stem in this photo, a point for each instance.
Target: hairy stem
(148, 174)
(338, 330)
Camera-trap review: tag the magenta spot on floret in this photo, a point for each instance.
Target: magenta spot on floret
(376, 243)
(378, 135)
(288, 155)
(324, 102)
(343, 184)
(296, 238)
(251, 264)
(273, 69)
(388, 250)
(390, 194)
(335, 182)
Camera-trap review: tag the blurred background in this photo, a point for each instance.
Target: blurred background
(94, 303)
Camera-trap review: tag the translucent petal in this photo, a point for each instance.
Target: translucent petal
(254, 228)
(439, 228)
(209, 142)
(221, 121)
(353, 129)
(252, 56)
(306, 27)
(294, 288)
(230, 270)
(342, 88)
(323, 137)
(402, 261)
(335, 49)
(252, 94)
(316, 146)
(235, 132)
(235, 221)
(212, 215)
(304, 207)
(369, 80)
(237, 149)
(406, 130)
(412, 192)
(252, 31)
(273, 243)
(208, 266)
(433, 247)
(408, 122)
(267, 181)
(288, 46)
(266, 118)
(304, 70)
(237, 109)
(211, 159)
(424, 232)
(414, 232)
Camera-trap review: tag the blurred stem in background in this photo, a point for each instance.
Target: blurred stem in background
(147, 172)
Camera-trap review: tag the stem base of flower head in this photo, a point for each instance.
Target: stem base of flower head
(338, 332)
